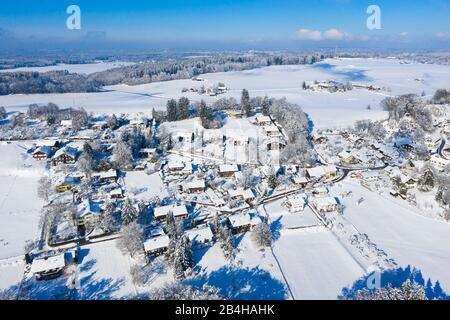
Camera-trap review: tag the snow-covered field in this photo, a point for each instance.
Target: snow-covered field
(145, 186)
(325, 109)
(407, 237)
(19, 204)
(86, 68)
(315, 264)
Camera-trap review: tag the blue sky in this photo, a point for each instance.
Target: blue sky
(251, 22)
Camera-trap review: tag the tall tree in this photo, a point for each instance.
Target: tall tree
(129, 212)
(172, 114)
(265, 106)
(183, 108)
(245, 103)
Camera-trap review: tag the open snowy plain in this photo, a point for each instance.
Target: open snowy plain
(325, 109)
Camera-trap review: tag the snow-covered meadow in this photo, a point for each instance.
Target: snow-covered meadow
(82, 68)
(19, 203)
(324, 108)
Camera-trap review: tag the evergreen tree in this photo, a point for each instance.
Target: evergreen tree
(245, 103)
(426, 181)
(171, 226)
(129, 212)
(262, 235)
(265, 106)
(187, 255)
(172, 114)
(205, 114)
(183, 108)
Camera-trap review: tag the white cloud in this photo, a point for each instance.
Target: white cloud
(317, 35)
(403, 34)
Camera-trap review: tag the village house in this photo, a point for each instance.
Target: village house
(160, 213)
(438, 162)
(320, 191)
(300, 180)
(175, 167)
(106, 176)
(52, 144)
(295, 204)
(66, 155)
(66, 124)
(347, 158)
(42, 153)
(48, 267)
(262, 121)
(89, 213)
(241, 194)
(243, 222)
(216, 200)
(228, 170)
(147, 153)
(271, 131)
(319, 139)
(325, 204)
(116, 193)
(195, 186)
(200, 236)
(156, 245)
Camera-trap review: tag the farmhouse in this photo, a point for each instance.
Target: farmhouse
(241, 194)
(271, 131)
(325, 204)
(200, 236)
(195, 186)
(243, 222)
(89, 212)
(175, 167)
(161, 213)
(48, 267)
(156, 245)
(67, 155)
(52, 144)
(263, 121)
(347, 158)
(300, 180)
(116, 193)
(438, 162)
(295, 204)
(106, 176)
(147, 152)
(42, 153)
(228, 170)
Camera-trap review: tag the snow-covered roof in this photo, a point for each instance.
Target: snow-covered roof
(263, 119)
(196, 184)
(296, 201)
(244, 219)
(240, 192)
(48, 263)
(156, 243)
(47, 143)
(89, 207)
(202, 233)
(70, 151)
(299, 179)
(176, 165)
(214, 197)
(112, 173)
(44, 149)
(66, 123)
(344, 155)
(316, 172)
(324, 201)
(228, 168)
(164, 210)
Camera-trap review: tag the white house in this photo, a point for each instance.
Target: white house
(242, 222)
(160, 213)
(241, 194)
(196, 186)
(228, 170)
(439, 162)
(295, 204)
(156, 245)
(48, 267)
(200, 236)
(325, 204)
